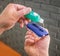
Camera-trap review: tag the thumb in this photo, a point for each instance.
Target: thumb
(24, 11)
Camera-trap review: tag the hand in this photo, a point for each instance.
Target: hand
(36, 46)
(11, 14)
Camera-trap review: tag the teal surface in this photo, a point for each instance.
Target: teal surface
(33, 16)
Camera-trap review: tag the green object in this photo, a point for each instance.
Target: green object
(34, 17)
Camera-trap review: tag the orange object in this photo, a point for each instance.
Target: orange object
(7, 51)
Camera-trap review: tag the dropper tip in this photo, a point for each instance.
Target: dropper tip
(41, 20)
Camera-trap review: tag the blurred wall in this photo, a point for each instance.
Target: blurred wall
(49, 11)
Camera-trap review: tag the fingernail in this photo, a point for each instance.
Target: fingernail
(26, 22)
(29, 9)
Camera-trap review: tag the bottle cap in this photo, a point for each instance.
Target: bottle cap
(34, 17)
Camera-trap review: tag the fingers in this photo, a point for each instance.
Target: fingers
(16, 6)
(45, 41)
(24, 11)
(21, 13)
(21, 10)
(19, 7)
(23, 21)
(27, 21)
(30, 38)
(36, 38)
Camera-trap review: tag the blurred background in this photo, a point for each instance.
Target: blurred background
(49, 11)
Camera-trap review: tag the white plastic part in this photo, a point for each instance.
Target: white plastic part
(41, 20)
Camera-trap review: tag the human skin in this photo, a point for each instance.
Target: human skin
(12, 14)
(36, 46)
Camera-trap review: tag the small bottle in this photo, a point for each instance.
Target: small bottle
(34, 17)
